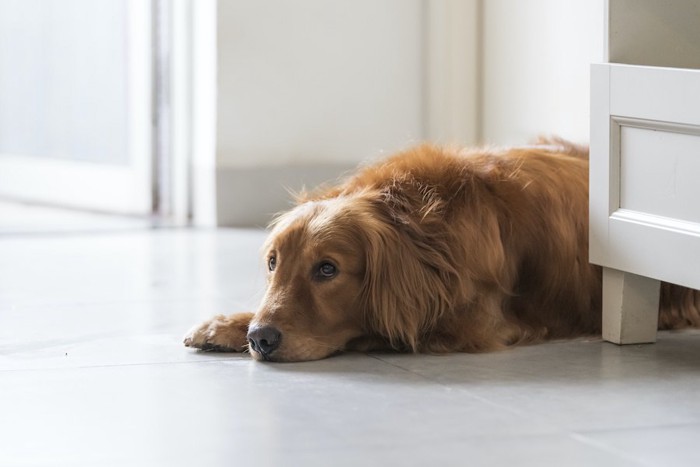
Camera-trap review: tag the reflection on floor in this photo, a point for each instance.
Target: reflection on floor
(21, 218)
(93, 373)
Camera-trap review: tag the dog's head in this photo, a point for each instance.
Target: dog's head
(346, 268)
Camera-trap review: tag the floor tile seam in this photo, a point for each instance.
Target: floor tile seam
(558, 427)
(623, 429)
(543, 419)
(523, 414)
(602, 446)
(457, 388)
(435, 440)
(453, 388)
(408, 370)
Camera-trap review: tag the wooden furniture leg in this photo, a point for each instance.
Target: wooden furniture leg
(630, 307)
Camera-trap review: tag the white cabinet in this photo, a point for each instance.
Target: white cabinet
(645, 161)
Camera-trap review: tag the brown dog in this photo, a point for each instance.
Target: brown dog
(433, 250)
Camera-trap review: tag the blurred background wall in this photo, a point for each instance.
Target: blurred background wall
(206, 113)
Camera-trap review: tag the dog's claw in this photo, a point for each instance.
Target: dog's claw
(209, 347)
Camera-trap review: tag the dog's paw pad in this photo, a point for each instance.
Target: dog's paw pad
(209, 347)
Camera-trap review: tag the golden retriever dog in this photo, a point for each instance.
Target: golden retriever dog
(433, 250)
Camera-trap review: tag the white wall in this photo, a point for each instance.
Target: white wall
(309, 88)
(313, 81)
(536, 60)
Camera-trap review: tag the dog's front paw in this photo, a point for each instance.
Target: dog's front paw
(220, 334)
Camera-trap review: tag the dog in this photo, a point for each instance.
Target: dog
(434, 250)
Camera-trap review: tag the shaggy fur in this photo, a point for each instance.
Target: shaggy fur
(434, 250)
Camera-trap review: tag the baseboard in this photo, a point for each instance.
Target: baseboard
(250, 197)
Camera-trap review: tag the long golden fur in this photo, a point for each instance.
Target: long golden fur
(434, 250)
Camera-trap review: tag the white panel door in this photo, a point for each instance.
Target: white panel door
(75, 118)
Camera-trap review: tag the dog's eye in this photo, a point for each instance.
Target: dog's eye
(272, 263)
(326, 270)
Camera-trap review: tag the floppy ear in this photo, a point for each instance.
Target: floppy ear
(410, 274)
(421, 263)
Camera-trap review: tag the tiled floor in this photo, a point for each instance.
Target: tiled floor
(93, 373)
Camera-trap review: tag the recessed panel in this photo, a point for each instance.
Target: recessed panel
(660, 172)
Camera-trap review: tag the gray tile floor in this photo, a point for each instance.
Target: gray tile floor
(93, 373)
(22, 218)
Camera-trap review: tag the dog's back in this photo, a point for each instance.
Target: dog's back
(519, 221)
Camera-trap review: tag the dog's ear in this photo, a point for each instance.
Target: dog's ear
(420, 266)
(410, 273)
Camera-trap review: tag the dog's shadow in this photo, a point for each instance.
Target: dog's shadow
(675, 355)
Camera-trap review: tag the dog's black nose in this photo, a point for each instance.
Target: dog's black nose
(264, 339)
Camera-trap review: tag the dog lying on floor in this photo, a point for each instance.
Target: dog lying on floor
(433, 250)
